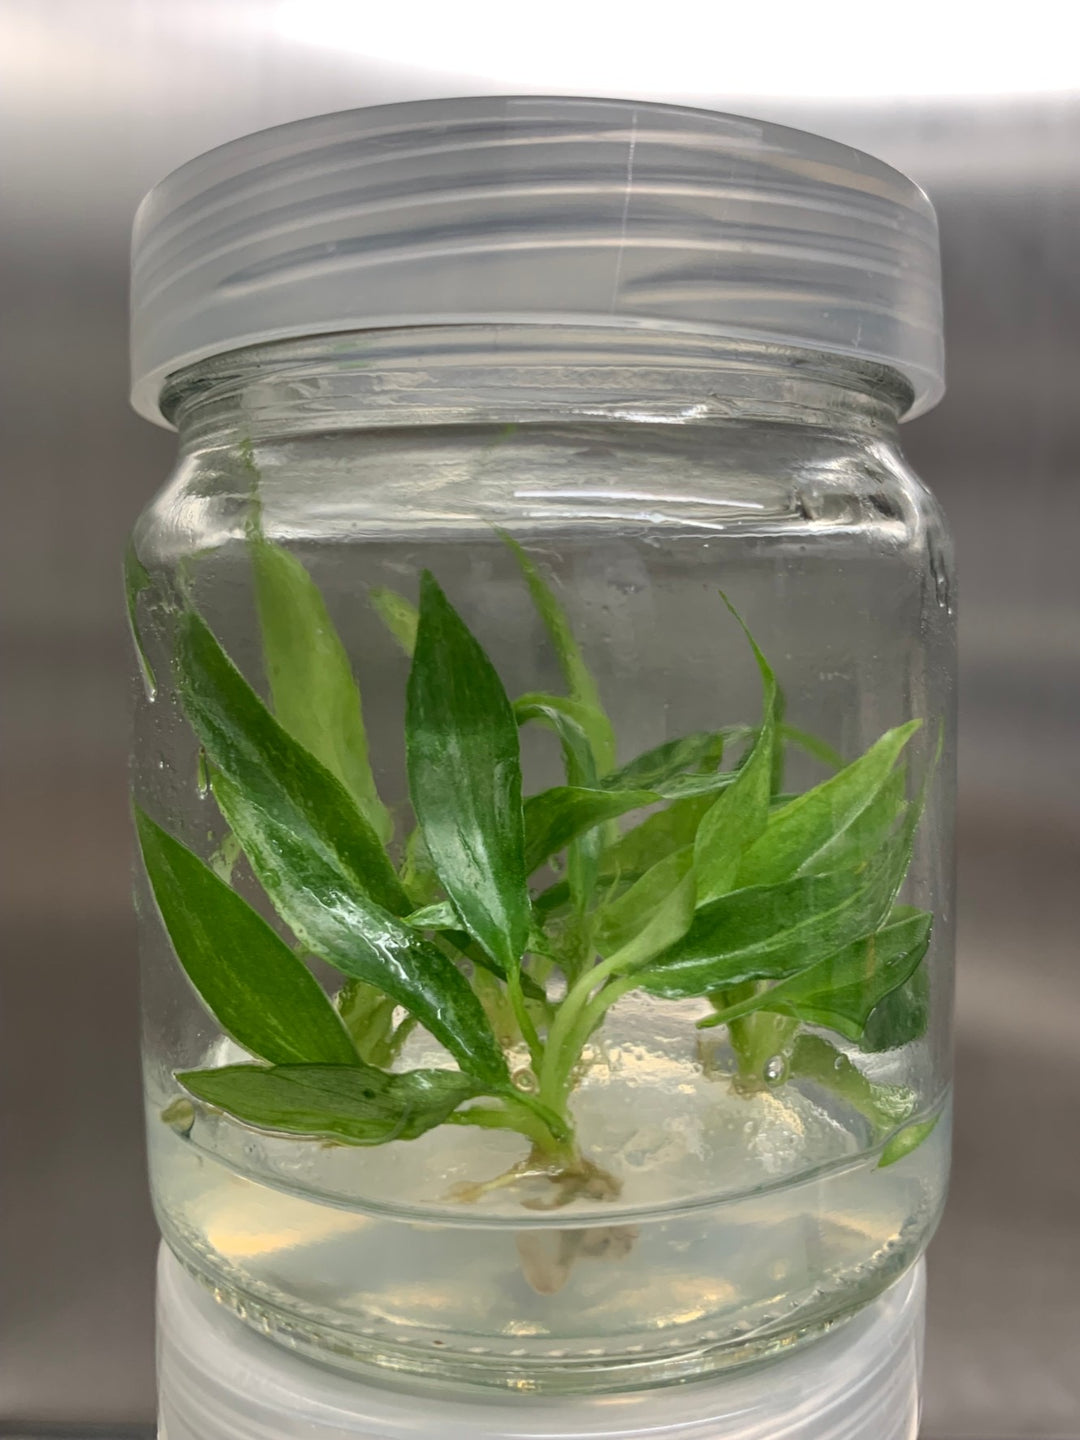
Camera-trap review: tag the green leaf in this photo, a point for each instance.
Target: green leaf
(653, 914)
(700, 752)
(260, 993)
(314, 693)
(885, 1106)
(368, 1016)
(277, 775)
(658, 835)
(555, 817)
(739, 814)
(417, 872)
(813, 745)
(768, 932)
(901, 1017)
(136, 580)
(330, 913)
(356, 1104)
(443, 917)
(570, 721)
(907, 1140)
(869, 828)
(840, 992)
(799, 832)
(400, 616)
(317, 857)
(465, 778)
(578, 677)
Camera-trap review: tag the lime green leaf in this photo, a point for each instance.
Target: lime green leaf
(739, 813)
(885, 1106)
(368, 1016)
(465, 778)
(260, 993)
(357, 1104)
(626, 916)
(869, 828)
(813, 745)
(907, 1140)
(768, 932)
(417, 872)
(277, 775)
(798, 833)
(840, 992)
(314, 694)
(653, 914)
(400, 616)
(658, 835)
(136, 580)
(578, 677)
(555, 817)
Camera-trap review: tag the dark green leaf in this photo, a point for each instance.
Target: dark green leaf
(901, 1017)
(768, 932)
(356, 1104)
(259, 992)
(839, 992)
(400, 616)
(311, 681)
(555, 817)
(578, 677)
(278, 777)
(136, 580)
(739, 813)
(798, 833)
(334, 918)
(465, 778)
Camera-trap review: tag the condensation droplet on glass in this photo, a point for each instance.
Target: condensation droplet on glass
(525, 1080)
(774, 1069)
(202, 776)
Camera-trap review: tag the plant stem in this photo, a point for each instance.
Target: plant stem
(555, 1065)
(517, 1118)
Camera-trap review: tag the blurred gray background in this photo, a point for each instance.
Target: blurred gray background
(98, 99)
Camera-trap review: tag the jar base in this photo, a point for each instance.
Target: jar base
(583, 1367)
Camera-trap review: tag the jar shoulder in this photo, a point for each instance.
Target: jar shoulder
(739, 481)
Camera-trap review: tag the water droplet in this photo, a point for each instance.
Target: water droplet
(774, 1069)
(838, 1063)
(202, 776)
(525, 1080)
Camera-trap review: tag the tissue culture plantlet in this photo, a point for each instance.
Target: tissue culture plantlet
(507, 926)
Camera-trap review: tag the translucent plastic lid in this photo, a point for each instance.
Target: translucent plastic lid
(526, 210)
(219, 1380)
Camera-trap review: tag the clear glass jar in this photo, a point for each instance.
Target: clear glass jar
(640, 1075)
